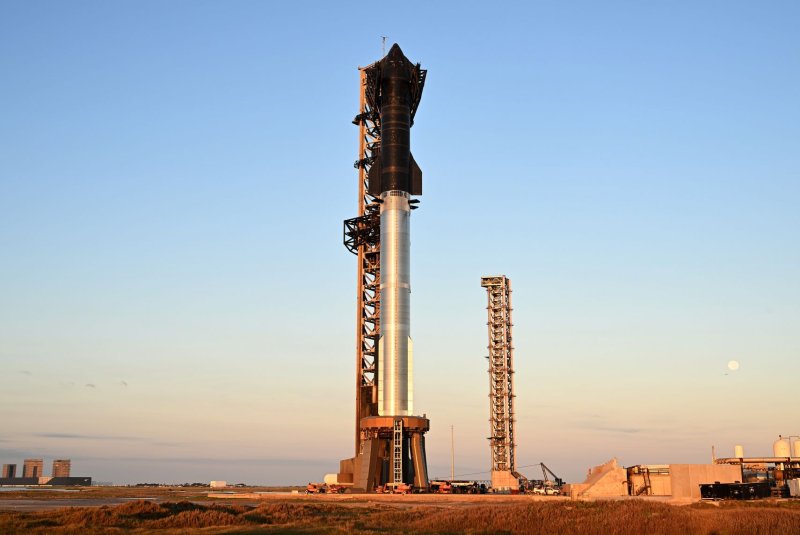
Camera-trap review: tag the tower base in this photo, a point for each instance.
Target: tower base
(505, 480)
(375, 466)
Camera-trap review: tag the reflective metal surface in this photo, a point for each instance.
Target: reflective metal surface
(395, 391)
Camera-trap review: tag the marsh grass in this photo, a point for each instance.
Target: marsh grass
(601, 518)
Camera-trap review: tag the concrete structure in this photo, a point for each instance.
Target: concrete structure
(649, 480)
(33, 468)
(680, 481)
(604, 480)
(61, 467)
(9, 470)
(687, 478)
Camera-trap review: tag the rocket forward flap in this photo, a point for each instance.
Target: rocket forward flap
(415, 175)
(374, 176)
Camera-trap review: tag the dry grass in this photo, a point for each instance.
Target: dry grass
(601, 518)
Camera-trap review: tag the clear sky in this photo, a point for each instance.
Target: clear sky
(176, 303)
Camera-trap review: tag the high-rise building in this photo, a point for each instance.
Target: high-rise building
(61, 467)
(9, 470)
(33, 468)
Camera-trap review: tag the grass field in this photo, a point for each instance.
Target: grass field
(361, 514)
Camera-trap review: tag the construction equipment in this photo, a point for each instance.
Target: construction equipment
(316, 488)
(549, 485)
(401, 488)
(441, 487)
(336, 489)
(556, 481)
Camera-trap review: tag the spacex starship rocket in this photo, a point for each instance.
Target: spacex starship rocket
(390, 443)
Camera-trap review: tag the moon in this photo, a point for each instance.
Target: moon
(733, 365)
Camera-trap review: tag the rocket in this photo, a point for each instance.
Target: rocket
(390, 442)
(394, 88)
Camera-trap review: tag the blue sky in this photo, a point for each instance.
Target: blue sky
(176, 304)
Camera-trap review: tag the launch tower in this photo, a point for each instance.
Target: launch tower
(501, 383)
(389, 438)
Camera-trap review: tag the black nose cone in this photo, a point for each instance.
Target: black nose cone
(395, 53)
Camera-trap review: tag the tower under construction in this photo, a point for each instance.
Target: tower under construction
(389, 438)
(501, 383)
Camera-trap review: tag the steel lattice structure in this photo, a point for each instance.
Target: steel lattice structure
(362, 237)
(501, 374)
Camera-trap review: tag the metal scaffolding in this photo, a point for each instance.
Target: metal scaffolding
(501, 375)
(362, 237)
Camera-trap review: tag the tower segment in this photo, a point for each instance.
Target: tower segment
(362, 238)
(501, 383)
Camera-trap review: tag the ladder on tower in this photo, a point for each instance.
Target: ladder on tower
(398, 452)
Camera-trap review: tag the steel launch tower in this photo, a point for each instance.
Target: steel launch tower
(501, 383)
(389, 438)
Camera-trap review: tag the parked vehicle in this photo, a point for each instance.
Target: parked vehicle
(316, 488)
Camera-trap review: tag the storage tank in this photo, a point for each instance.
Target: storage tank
(738, 451)
(796, 451)
(781, 447)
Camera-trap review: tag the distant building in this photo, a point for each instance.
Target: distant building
(33, 468)
(61, 467)
(676, 480)
(9, 470)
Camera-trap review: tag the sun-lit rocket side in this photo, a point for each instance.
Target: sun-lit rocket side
(395, 391)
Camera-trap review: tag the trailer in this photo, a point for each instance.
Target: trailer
(316, 488)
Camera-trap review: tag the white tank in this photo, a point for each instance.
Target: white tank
(781, 447)
(796, 447)
(331, 479)
(738, 451)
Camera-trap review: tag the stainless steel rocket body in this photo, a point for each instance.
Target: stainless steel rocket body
(395, 348)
